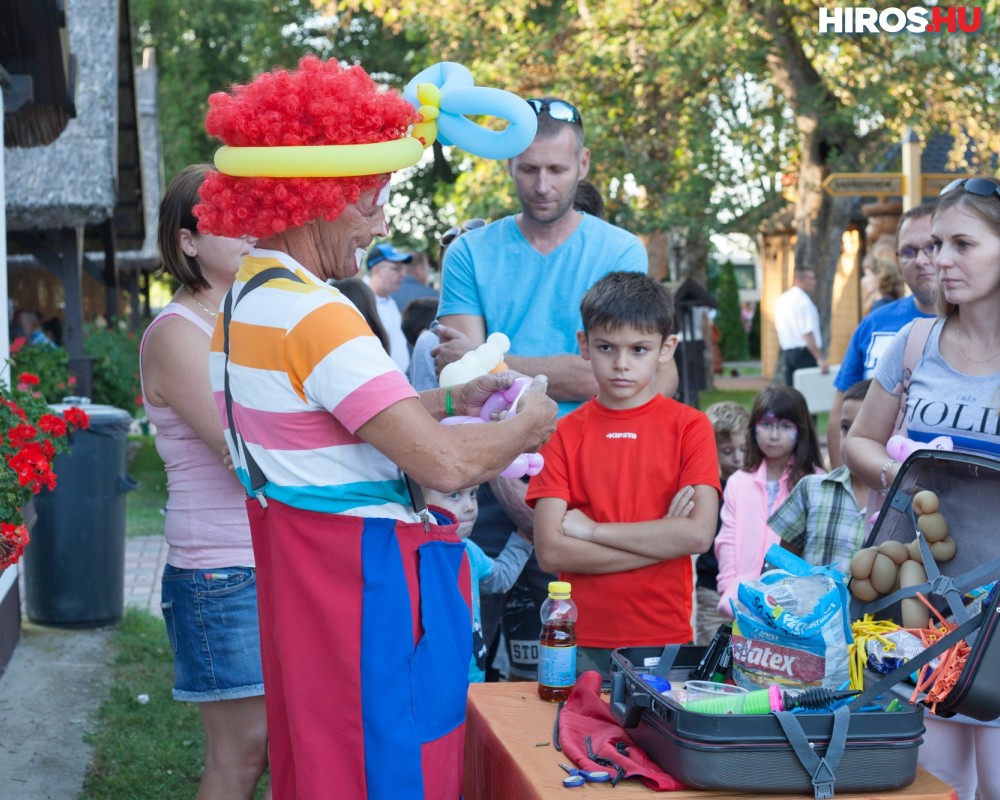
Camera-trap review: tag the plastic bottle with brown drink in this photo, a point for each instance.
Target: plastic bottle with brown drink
(557, 644)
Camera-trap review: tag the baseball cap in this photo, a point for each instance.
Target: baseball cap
(386, 252)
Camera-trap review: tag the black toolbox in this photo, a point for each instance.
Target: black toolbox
(753, 752)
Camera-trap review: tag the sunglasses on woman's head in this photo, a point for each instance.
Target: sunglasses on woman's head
(452, 234)
(980, 187)
(557, 109)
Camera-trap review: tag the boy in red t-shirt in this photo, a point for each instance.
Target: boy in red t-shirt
(630, 488)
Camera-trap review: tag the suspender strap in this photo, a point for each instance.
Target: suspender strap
(822, 769)
(257, 478)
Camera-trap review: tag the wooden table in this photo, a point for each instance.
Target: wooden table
(509, 754)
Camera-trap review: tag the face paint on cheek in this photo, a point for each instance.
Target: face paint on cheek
(359, 256)
(383, 196)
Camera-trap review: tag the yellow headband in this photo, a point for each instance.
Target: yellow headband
(319, 161)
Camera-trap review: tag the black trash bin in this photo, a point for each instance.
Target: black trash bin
(74, 568)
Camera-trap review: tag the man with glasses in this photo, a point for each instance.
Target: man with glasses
(914, 256)
(414, 283)
(524, 275)
(385, 275)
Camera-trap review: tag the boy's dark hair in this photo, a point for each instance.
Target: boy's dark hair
(628, 298)
(417, 317)
(785, 403)
(858, 390)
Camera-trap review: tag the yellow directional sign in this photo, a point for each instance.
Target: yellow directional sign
(872, 184)
(932, 183)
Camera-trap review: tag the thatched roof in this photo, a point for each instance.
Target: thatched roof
(72, 182)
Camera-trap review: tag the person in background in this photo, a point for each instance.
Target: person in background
(796, 320)
(359, 293)
(364, 596)
(494, 575)
(416, 272)
(730, 422)
(823, 519)
(782, 449)
(881, 282)
(623, 532)
(209, 588)
(588, 199)
(28, 324)
(53, 328)
(385, 274)
(877, 330)
(559, 253)
(952, 392)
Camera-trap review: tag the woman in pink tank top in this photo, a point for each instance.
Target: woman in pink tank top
(209, 593)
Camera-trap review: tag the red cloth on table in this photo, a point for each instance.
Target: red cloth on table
(585, 714)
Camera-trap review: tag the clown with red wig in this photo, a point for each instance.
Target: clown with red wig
(363, 593)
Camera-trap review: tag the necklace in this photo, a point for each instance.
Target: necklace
(967, 357)
(201, 305)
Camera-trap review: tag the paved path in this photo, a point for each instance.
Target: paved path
(54, 683)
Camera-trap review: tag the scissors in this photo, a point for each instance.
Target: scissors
(578, 777)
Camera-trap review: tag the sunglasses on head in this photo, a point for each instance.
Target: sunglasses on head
(980, 187)
(452, 234)
(557, 109)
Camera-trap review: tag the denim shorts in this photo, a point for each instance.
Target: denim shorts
(211, 619)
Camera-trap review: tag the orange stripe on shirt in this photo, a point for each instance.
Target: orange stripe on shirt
(257, 346)
(309, 342)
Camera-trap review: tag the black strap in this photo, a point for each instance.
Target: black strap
(257, 478)
(822, 769)
(666, 662)
(901, 673)
(951, 589)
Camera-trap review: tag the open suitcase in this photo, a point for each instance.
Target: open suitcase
(873, 750)
(876, 750)
(968, 487)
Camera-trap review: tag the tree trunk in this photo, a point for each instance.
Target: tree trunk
(820, 222)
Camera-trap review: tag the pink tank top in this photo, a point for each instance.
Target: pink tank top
(206, 524)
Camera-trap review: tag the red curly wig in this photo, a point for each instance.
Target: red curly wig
(318, 103)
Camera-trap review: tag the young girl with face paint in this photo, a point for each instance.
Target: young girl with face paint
(781, 448)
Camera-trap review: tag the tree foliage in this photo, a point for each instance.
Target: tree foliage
(733, 336)
(693, 109)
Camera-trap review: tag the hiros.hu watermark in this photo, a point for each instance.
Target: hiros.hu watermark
(918, 19)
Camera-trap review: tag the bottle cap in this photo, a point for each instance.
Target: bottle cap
(559, 589)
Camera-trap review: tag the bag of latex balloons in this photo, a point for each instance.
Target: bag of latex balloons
(791, 626)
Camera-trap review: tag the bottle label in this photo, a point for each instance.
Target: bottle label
(557, 666)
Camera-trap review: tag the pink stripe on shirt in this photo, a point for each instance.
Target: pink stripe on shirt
(300, 430)
(371, 398)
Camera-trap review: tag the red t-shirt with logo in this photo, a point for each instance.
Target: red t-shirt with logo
(626, 466)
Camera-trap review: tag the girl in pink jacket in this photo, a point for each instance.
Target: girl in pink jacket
(781, 448)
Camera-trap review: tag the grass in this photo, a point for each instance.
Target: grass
(143, 515)
(151, 750)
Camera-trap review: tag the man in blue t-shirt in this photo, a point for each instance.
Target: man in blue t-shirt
(874, 333)
(524, 275)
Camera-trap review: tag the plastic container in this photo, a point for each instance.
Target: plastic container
(557, 644)
(706, 697)
(74, 569)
